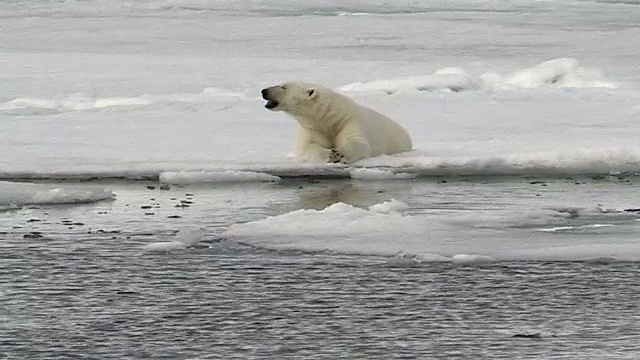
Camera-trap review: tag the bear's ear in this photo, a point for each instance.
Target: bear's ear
(312, 93)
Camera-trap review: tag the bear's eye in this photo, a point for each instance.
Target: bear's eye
(284, 87)
(311, 92)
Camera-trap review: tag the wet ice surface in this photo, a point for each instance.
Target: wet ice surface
(90, 286)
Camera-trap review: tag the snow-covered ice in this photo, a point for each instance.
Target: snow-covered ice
(482, 132)
(445, 79)
(122, 89)
(339, 227)
(556, 73)
(559, 73)
(82, 102)
(459, 238)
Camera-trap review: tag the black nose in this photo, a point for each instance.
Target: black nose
(264, 92)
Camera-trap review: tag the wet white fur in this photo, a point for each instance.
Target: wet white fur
(330, 120)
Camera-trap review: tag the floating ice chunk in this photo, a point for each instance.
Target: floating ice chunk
(378, 174)
(194, 177)
(190, 237)
(472, 259)
(407, 260)
(388, 207)
(13, 194)
(403, 260)
(346, 229)
(429, 257)
(339, 227)
(164, 246)
(184, 239)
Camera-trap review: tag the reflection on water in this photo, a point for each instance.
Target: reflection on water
(320, 196)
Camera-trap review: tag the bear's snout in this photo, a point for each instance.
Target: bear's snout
(271, 102)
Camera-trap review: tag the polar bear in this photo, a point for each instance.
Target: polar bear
(333, 127)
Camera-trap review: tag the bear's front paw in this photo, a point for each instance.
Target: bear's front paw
(336, 156)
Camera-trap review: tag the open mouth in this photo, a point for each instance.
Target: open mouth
(271, 104)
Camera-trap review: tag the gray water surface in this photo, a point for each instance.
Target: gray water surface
(87, 289)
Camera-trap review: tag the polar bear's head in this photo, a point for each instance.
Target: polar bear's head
(292, 97)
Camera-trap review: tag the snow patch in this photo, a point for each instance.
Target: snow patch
(557, 73)
(452, 79)
(83, 102)
(569, 161)
(225, 176)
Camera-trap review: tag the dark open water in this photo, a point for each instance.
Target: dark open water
(86, 289)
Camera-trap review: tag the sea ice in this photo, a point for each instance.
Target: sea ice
(192, 177)
(184, 239)
(459, 237)
(388, 207)
(15, 194)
